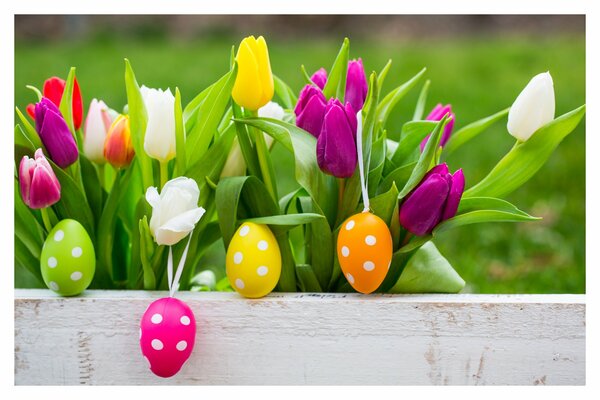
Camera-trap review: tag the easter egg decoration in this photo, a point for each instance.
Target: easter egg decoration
(253, 260)
(168, 326)
(364, 243)
(67, 260)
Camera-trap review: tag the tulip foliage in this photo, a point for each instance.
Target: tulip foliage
(210, 160)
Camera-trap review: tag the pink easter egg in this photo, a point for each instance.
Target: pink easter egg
(167, 335)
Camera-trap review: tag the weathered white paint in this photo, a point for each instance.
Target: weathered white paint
(301, 338)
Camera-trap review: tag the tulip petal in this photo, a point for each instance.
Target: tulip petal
(311, 118)
(25, 172)
(152, 197)
(95, 130)
(159, 139)
(533, 107)
(422, 210)
(454, 195)
(264, 71)
(356, 85)
(57, 138)
(336, 145)
(246, 89)
(320, 78)
(43, 192)
(53, 89)
(178, 227)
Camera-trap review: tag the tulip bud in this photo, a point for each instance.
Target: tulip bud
(55, 87)
(433, 200)
(356, 85)
(39, 186)
(159, 140)
(310, 110)
(118, 149)
(253, 87)
(96, 127)
(336, 144)
(55, 134)
(437, 114)
(319, 78)
(533, 108)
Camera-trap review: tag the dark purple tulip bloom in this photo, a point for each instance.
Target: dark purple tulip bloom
(336, 144)
(320, 78)
(310, 109)
(437, 114)
(55, 134)
(356, 85)
(435, 199)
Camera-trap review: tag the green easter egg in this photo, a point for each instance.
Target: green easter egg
(68, 261)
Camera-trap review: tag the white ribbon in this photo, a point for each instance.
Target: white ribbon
(174, 282)
(361, 167)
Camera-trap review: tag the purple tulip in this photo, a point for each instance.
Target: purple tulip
(435, 199)
(437, 114)
(356, 84)
(310, 109)
(336, 144)
(55, 134)
(39, 186)
(320, 78)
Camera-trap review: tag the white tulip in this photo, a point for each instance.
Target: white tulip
(175, 211)
(533, 108)
(235, 164)
(159, 141)
(97, 122)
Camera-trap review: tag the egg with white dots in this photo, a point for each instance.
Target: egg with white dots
(68, 260)
(364, 250)
(253, 260)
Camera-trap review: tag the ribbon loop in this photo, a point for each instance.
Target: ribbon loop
(361, 166)
(174, 281)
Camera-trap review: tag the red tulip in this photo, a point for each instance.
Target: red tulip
(53, 89)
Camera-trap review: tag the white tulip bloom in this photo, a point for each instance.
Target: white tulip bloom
(159, 140)
(235, 164)
(97, 122)
(533, 108)
(175, 211)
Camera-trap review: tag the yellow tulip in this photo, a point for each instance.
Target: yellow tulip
(253, 86)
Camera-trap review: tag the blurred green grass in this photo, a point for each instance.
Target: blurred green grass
(477, 75)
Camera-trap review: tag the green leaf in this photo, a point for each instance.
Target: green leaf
(209, 116)
(180, 158)
(289, 220)
(92, 187)
(306, 76)
(285, 93)
(36, 91)
(23, 145)
(146, 253)
(66, 104)
(420, 107)
(475, 210)
(24, 257)
(386, 105)
(336, 82)
(425, 160)
(399, 177)
(415, 243)
(138, 119)
(413, 133)
(526, 158)
(470, 131)
(30, 132)
(302, 145)
(27, 227)
(428, 271)
(382, 75)
(384, 204)
(307, 279)
(190, 112)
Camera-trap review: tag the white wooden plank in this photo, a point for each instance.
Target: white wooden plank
(301, 338)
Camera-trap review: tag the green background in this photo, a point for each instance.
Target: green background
(478, 75)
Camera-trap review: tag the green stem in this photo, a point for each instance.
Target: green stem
(101, 175)
(264, 160)
(46, 219)
(341, 188)
(164, 173)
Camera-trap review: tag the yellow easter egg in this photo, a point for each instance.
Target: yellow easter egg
(364, 249)
(253, 260)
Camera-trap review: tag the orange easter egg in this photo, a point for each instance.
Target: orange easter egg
(364, 249)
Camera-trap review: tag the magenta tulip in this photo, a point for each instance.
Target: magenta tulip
(437, 114)
(319, 78)
(55, 134)
(39, 186)
(310, 109)
(356, 85)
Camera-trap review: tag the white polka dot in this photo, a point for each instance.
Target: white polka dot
(350, 225)
(59, 235)
(238, 257)
(140, 333)
(156, 318)
(369, 266)
(53, 285)
(262, 270)
(76, 252)
(75, 276)
(239, 283)
(148, 361)
(263, 245)
(345, 251)
(244, 230)
(157, 344)
(350, 277)
(181, 346)
(52, 262)
(185, 320)
(370, 240)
